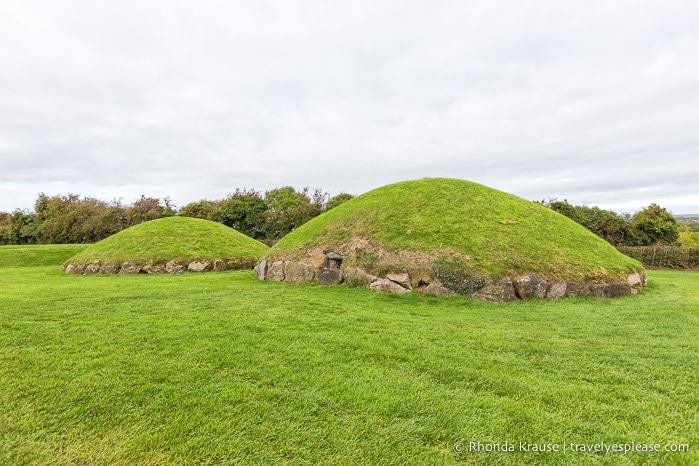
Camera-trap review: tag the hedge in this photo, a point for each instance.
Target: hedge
(664, 257)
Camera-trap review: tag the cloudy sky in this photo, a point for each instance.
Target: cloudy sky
(596, 102)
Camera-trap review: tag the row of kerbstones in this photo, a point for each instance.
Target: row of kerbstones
(506, 289)
(173, 266)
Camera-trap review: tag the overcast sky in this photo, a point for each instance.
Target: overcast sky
(596, 102)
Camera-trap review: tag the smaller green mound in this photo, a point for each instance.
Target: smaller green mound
(172, 239)
(37, 255)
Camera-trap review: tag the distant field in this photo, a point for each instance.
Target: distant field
(220, 368)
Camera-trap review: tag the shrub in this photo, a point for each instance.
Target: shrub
(337, 200)
(689, 239)
(71, 219)
(455, 275)
(206, 210)
(654, 225)
(664, 257)
(148, 208)
(604, 223)
(244, 211)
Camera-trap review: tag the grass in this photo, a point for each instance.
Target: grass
(222, 368)
(172, 238)
(500, 233)
(40, 254)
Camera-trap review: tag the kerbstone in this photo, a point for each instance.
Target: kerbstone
(200, 266)
(501, 291)
(295, 272)
(275, 272)
(329, 276)
(403, 279)
(261, 270)
(384, 284)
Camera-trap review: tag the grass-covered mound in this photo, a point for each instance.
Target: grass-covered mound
(453, 227)
(179, 241)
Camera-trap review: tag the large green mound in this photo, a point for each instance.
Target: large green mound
(174, 239)
(453, 224)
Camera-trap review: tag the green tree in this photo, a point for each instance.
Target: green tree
(244, 211)
(653, 225)
(70, 219)
(148, 208)
(101, 219)
(18, 227)
(288, 209)
(562, 207)
(604, 223)
(689, 239)
(337, 200)
(207, 210)
(4, 228)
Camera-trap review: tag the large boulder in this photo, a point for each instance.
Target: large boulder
(261, 270)
(92, 269)
(219, 265)
(636, 281)
(356, 276)
(577, 289)
(275, 271)
(75, 269)
(295, 272)
(238, 264)
(557, 290)
(403, 279)
(175, 266)
(329, 276)
(501, 291)
(154, 268)
(434, 289)
(200, 266)
(529, 286)
(611, 290)
(109, 268)
(384, 284)
(130, 268)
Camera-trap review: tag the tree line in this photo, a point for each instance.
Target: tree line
(71, 218)
(651, 226)
(267, 217)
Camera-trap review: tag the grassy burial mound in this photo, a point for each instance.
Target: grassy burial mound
(447, 236)
(172, 244)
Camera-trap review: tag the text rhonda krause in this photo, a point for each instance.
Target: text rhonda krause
(606, 448)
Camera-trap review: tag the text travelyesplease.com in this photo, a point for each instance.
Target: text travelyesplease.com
(601, 447)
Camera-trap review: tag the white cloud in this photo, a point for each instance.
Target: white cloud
(596, 102)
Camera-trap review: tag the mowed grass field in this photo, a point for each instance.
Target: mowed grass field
(220, 368)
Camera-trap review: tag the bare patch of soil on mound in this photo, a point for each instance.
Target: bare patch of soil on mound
(376, 260)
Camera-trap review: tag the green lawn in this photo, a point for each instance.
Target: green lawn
(39, 254)
(220, 368)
